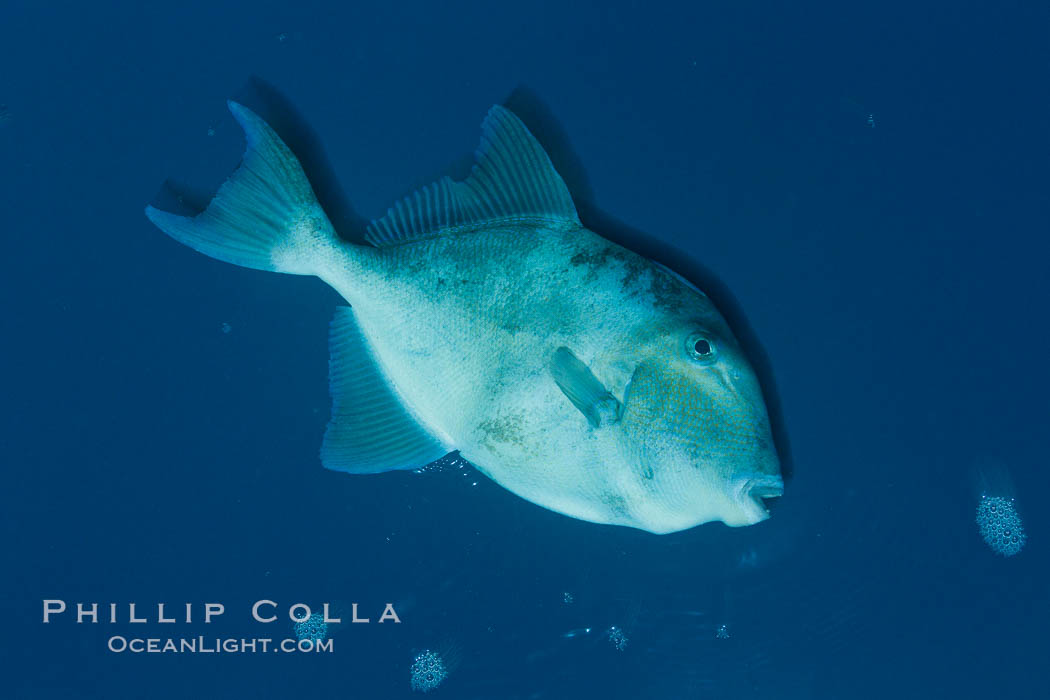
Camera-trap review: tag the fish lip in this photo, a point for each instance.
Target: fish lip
(754, 490)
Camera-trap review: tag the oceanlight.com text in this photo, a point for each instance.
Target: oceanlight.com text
(216, 645)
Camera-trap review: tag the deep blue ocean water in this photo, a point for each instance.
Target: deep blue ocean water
(866, 184)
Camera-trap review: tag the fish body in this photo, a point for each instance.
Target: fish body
(485, 318)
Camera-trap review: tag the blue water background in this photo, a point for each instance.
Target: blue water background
(868, 180)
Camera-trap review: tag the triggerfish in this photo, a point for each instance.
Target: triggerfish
(484, 318)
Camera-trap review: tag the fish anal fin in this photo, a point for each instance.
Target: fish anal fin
(371, 429)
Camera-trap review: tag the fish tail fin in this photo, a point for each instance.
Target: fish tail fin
(265, 216)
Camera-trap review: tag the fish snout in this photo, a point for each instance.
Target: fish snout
(751, 495)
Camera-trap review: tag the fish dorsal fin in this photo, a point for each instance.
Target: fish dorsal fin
(513, 178)
(583, 389)
(371, 430)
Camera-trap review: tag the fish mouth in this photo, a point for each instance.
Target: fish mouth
(754, 491)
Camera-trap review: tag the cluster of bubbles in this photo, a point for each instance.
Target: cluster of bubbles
(617, 638)
(1000, 525)
(448, 464)
(567, 598)
(313, 628)
(722, 633)
(428, 671)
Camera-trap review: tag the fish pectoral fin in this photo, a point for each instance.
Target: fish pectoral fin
(371, 430)
(583, 389)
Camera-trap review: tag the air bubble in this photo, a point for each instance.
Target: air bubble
(313, 628)
(1000, 525)
(428, 671)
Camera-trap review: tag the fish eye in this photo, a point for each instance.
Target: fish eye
(700, 348)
